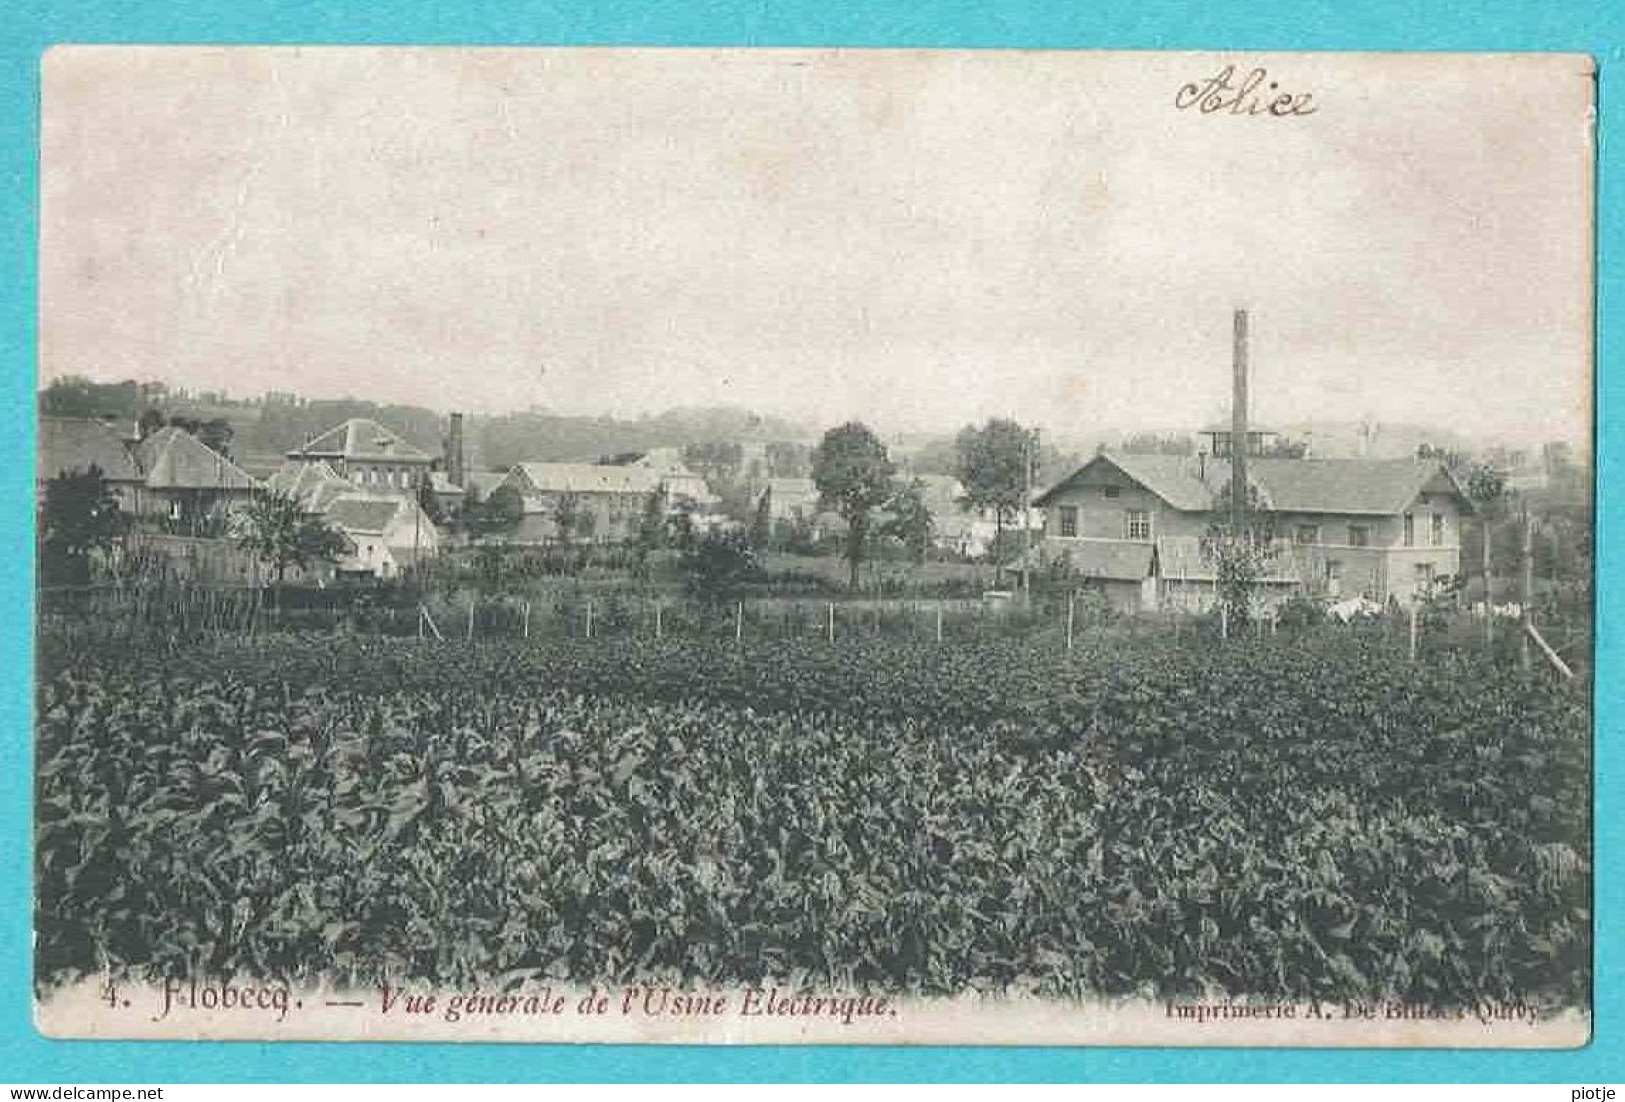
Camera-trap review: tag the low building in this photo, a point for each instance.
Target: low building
(387, 533)
(680, 482)
(386, 530)
(1134, 526)
(593, 502)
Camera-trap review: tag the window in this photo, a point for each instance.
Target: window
(1069, 520)
(1334, 576)
(1359, 535)
(1410, 530)
(1112, 491)
(1424, 577)
(1137, 524)
(1307, 533)
(1436, 535)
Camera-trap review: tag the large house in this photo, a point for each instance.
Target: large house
(168, 474)
(185, 479)
(1375, 528)
(73, 445)
(367, 454)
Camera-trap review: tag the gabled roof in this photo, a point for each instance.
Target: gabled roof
(313, 485)
(484, 482)
(360, 438)
(1378, 487)
(359, 513)
(67, 445)
(1371, 486)
(1174, 478)
(585, 478)
(174, 459)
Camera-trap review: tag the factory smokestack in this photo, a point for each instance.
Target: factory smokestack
(455, 471)
(1238, 428)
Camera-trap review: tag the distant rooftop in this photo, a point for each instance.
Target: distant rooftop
(360, 438)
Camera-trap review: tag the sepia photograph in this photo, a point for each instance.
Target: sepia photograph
(834, 546)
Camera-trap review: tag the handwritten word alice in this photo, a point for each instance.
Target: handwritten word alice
(1223, 92)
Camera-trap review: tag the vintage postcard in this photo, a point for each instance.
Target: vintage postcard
(832, 546)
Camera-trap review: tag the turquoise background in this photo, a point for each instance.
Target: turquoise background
(27, 29)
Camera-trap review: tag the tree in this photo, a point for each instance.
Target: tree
(761, 525)
(651, 534)
(498, 515)
(717, 463)
(566, 515)
(718, 564)
(1240, 557)
(216, 434)
(151, 421)
(854, 478)
(79, 516)
(991, 462)
(787, 460)
(681, 524)
(1150, 443)
(910, 521)
(277, 531)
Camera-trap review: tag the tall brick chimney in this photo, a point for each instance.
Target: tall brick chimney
(455, 469)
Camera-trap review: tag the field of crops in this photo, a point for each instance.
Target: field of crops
(1283, 818)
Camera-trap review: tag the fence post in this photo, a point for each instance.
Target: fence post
(1224, 622)
(1526, 578)
(939, 623)
(1413, 631)
(589, 619)
(832, 621)
(472, 601)
(657, 619)
(1561, 666)
(527, 620)
(739, 622)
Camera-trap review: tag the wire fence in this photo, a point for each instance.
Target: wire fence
(175, 614)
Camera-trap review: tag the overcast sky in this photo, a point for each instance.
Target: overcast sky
(914, 239)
